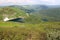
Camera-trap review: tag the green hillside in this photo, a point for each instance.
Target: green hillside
(49, 14)
(45, 15)
(39, 25)
(16, 12)
(34, 17)
(11, 12)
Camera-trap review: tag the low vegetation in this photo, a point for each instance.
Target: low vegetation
(28, 31)
(35, 27)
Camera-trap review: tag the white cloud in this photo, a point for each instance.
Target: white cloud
(47, 2)
(52, 2)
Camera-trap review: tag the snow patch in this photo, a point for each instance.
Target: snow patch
(6, 19)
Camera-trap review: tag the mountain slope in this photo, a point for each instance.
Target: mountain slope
(11, 12)
(49, 14)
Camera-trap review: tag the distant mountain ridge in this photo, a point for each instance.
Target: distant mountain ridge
(36, 12)
(30, 8)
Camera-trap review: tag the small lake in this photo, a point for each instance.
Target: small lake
(17, 20)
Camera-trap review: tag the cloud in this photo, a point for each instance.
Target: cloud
(27, 1)
(18, 1)
(47, 2)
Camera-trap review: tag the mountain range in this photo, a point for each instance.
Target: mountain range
(36, 12)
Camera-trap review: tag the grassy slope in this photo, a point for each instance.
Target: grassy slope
(11, 12)
(32, 29)
(26, 31)
(49, 14)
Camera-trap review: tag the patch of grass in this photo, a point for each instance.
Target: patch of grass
(26, 31)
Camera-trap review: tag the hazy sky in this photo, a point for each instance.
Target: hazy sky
(19, 2)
